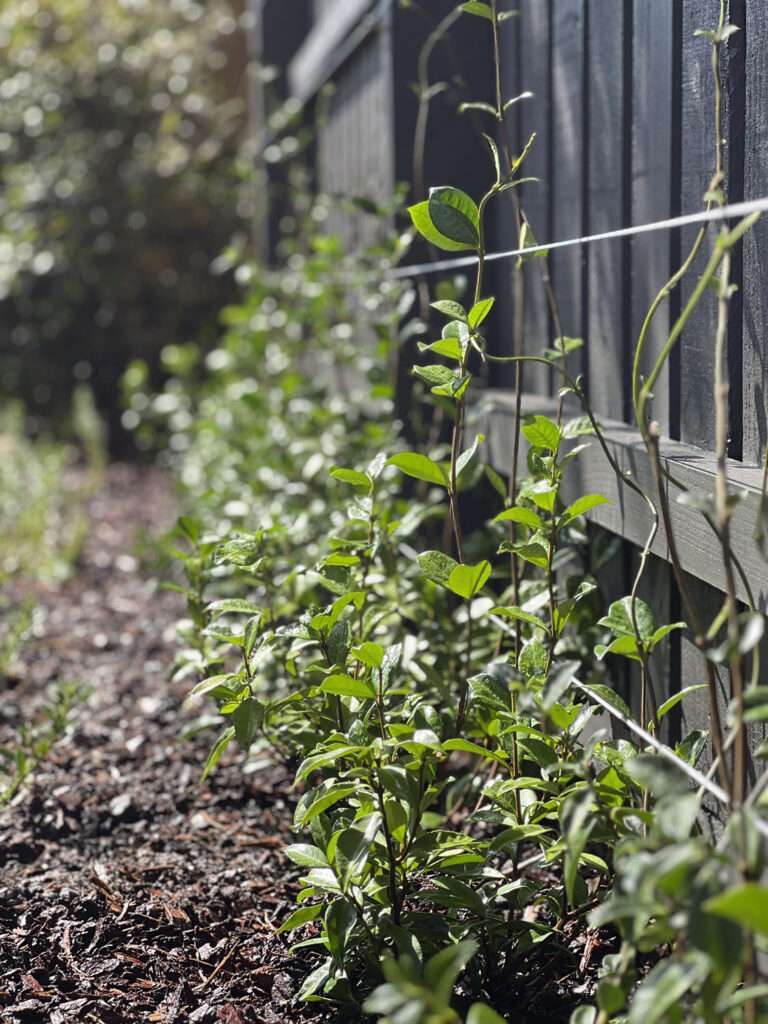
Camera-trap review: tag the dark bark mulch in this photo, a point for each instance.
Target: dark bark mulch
(127, 891)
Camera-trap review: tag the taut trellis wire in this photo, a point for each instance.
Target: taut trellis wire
(729, 212)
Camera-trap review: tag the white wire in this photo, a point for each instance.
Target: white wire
(733, 210)
(661, 748)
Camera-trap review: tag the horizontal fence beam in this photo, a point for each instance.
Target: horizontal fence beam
(627, 514)
(335, 37)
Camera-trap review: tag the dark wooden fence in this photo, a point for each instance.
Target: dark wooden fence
(623, 109)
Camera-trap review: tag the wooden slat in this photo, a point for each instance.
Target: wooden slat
(653, 165)
(697, 164)
(608, 187)
(653, 95)
(534, 116)
(755, 358)
(628, 515)
(568, 103)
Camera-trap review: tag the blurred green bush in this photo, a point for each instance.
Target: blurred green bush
(120, 127)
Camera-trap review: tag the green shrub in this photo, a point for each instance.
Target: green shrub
(119, 129)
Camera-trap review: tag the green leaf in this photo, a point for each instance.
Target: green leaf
(658, 774)
(435, 376)
(443, 969)
(299, 917)
(353, 477)
(436, 566)
(675, 699)
(455, 388)
(345, 686)
(536, 554)
(214, 682)
(494, 149)
(341, 560)
(468, 747)
(622, 645)
(527, 237)
(247, 719)
(490, 690)
(191, 528)
(353, 848)
(542, 432)
(306, 856)
(517, 834)
(455, 215)
(421, 467)
(369, 654)
(316, 980)
(482, 10)
(422, 221)
(525, 516)
(542, 494)
(330, 793)
(233, 606)
(485, 108)
(448, 347)
(518, 615)
(665, 986)
(466, 456)
(331, 756)
(746, 904)
(219, 747)
(664, 631)
(577, 828)
(480, 311)
(527, 95)
(496, 482)
(583, 505)
(610, 697)
(619, 618)
(467, 580)
(453, 310)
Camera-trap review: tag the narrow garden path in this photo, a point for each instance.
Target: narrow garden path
(127, 891)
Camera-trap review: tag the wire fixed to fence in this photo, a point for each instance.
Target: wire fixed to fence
(701, 780)
(719, 213)
(661, 749)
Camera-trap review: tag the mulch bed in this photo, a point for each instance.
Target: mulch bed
(128, 892)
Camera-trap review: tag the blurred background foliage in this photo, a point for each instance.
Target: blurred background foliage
(122, 177)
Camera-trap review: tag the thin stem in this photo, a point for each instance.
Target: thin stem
(464, 696)
(392, 886)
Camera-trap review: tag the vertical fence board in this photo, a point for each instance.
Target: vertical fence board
(697, 164)
(653, 123)
(608, 175)
(534, 115)
(653, 96)
(755, 359)
(568, 158)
